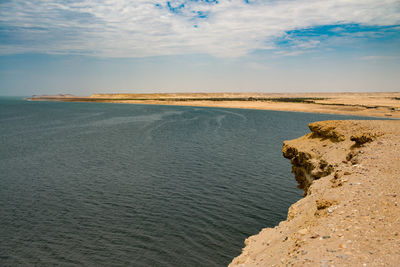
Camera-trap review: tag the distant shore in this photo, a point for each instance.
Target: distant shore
(358, 104)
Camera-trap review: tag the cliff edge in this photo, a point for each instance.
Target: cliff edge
(350, 213)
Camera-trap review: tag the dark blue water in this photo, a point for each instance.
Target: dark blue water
(139, 185)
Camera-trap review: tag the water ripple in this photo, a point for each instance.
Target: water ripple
(116, 185)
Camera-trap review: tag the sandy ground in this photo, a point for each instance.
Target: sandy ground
(359, 104)
(350, 215)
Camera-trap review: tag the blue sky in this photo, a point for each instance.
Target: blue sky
(84, 46)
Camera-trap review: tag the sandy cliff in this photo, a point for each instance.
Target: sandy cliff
(350, 215)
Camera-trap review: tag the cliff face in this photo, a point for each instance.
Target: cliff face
(350, 174)
(329, 144)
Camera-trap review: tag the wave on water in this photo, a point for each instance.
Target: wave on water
(142, 185)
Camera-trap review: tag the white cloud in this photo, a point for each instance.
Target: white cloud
(141, 28)
(257, 66)
(380, 58)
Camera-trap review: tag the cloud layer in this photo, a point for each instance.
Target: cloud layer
(140, 28)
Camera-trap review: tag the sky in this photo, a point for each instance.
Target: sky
(122, 46)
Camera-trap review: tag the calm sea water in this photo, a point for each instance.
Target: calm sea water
(139, 185)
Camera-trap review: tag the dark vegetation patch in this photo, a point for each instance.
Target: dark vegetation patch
(296, 100)
(279, 99)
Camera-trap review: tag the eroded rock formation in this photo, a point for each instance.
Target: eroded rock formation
(350, 215)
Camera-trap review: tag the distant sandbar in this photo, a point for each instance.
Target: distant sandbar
(359, 104)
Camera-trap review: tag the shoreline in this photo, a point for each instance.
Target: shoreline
(379, 105)
(349, 215)
(350, 210)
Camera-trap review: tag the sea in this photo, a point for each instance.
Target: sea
(100, 184)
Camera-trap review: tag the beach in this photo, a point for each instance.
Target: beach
(360, 104)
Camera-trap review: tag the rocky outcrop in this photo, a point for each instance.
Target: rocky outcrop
(350, 174)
